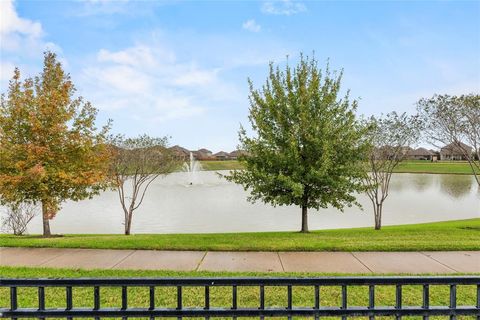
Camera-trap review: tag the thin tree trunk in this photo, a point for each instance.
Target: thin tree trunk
(128, 223)
(46, 220)
(378, 216)
(304, 219)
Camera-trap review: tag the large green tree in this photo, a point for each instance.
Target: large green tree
(308, 145)
(50, 149)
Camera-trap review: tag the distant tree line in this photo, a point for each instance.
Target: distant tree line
(310, 149)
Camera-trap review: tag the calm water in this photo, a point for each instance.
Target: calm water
(215, 205)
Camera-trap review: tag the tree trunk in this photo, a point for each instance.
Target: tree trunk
(46, 220)
(304, 219)
(128, 223)
(378, 216)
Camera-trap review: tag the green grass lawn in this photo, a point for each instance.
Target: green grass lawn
(447, 167)
(210, 165)
(418, 166)
(452, 235)
(219, 296)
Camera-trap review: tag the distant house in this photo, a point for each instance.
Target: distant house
(222, 155)
(455, 151)
(235, 154)
(206, 152)
(202, 154)
(180, 152)
(420, 154)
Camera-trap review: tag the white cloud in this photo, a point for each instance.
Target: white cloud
(251, 25)
(17, 32)
(283, 7)
(153, 83)
(12, 23)
(22, 43)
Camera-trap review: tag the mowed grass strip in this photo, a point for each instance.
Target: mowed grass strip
(441, 167)
(440, 236)
(248, 296)
(410, 166)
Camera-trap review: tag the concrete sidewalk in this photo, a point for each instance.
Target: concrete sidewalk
(339, 262)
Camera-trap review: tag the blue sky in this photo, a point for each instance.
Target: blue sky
(180, 68)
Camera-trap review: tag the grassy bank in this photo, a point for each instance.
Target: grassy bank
(219, 296)
(452, 235)
(210, 165)
(450, 167)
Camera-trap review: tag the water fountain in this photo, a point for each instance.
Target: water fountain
(192, 168)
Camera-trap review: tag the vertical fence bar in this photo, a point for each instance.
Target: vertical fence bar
(371, 299)
(41, 300)
(426, 299)
(234, 299)
(179, 300)
(262, 297)
(289, 300)
(453, 300)
(124, 300)
(207, 299)
(478, 300)
(262, 300)
(398, 300)
(96, 299)
(13, 300)
(344, 300)
(317, 300)
(152, 300)
(69, 299)
(317, 297)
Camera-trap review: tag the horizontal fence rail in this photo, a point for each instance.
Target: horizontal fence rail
(344, 310)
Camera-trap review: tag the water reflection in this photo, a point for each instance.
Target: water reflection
(422, 182)
(456, 186)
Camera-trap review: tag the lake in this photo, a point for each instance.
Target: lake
(213, 204)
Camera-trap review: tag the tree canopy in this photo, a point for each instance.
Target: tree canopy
(308, 145)
(50, 148)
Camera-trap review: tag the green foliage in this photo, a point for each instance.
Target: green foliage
(308, 143)
(50, 149)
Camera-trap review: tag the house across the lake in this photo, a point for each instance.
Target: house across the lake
(202, 154)
(455, 151)
(180, 152)
(421, 154)
(222, 155)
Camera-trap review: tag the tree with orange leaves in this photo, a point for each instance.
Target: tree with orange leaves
(50, 149)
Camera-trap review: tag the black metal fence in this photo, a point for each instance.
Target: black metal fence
(344, 310)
